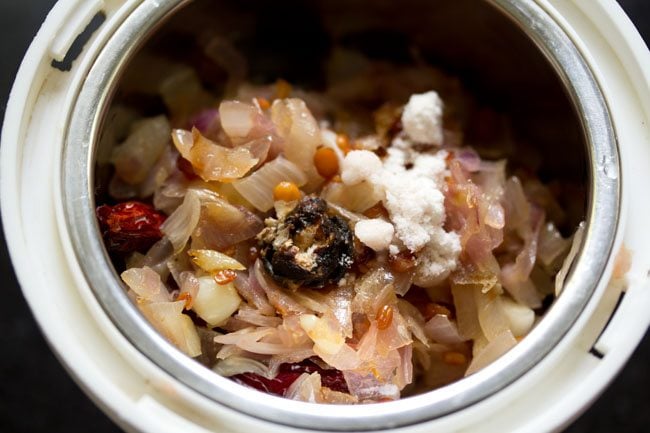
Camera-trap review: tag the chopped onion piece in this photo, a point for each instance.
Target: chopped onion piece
(237, 118)
(255, 317)
(307, 387)
(490, 314)
(210, 160)
(520, 317)
(295, 123)
(168, 319)
(494, 349)
(234, 365)
(277, 297)
(214, 261)
(134, 158)
(356, 198)
(568, 261)
(146, 283)
(249, 288)
(258, 187)
(442, 330)
(326, 337)
(215, 303)
(180, 224)
(367, 387)
(222, 224)
(551, 244)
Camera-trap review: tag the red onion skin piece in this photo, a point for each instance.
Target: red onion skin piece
(333, 379)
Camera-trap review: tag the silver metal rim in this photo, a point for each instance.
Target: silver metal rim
(77, 193)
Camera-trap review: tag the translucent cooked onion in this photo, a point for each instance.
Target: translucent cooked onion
(515, 277)
(146, 284)
(253, 293)
(414, 320)
(307, 387)
(356, 198)
(256, 340)
(165, 166)
(404, 371)
(169, 195)
(551, 244)
(215, 303)
(255, 317)
(466, 312)
(180, 224)
(520, 318)
(156, 258)
(490, 314)
(278, 298)
(327, 336)
(182, 92)
(134, 158)
(234, 365)
(493, 350)
(368, 289)
(214, 261)
(237, 118)
(367, 387)
(258, 187)
(568, 261)
(189, 284)
(222, 224)
(296, 125)
(210, 160)
(442, 330)
(169, 320)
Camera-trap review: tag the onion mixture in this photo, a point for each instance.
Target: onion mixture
(353, 245)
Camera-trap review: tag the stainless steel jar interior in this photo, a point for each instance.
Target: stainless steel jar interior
(510, 52)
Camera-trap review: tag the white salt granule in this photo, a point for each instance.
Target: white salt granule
(422, 118)
(414, 204)
(375, 233)
(360, 165)
(412, 196)
(437, 259)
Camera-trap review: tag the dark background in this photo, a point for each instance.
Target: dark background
(36, 394)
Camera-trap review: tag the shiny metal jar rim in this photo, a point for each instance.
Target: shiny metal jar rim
(602, 219)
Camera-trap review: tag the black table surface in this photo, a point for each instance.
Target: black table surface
(37, 395)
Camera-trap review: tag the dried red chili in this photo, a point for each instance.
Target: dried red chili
(129, 226)
(226, 276)
(288, 373)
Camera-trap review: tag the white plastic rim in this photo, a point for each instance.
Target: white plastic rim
(140, 397)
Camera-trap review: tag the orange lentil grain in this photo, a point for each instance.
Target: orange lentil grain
(286, 191)
(432, 309)
(384, 317)
(326, 162)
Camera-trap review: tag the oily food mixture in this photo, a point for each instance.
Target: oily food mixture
(345, 246)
